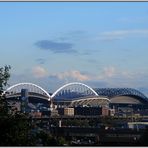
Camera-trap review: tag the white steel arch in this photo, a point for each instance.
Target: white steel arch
(30, 84)
(73, 83)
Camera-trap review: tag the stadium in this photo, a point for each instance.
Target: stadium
(75, 95)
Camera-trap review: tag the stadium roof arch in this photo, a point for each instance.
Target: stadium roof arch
(78, 94)
(32, 88)
(118, 92)
(73, 90)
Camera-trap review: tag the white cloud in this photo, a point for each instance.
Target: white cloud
(109, 71)
(74, 74)
(79, 76)
(115, 77)
(121, 34)
(39, 72)
(110, 76)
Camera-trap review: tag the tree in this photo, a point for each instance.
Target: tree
(62, 141)
(143, 141)
(14, 129)
(17, 129)
(4, 77)
(46, 139)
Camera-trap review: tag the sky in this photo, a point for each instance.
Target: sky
(100, 44)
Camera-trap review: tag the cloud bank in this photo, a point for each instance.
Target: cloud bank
(39, 72)
(72, 75)
(109, 77)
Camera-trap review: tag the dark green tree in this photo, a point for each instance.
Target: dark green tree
(4, 77)
(62, 141)
(143, 141)
(17, 129)
(46, 139)
(14, 129)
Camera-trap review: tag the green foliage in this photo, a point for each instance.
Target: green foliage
(62, 141)
(4, 76)
(76, 122)
(17, 129)
(14, 129)
(143, 141)
(45, 139)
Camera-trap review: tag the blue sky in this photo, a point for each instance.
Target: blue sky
(101, 44)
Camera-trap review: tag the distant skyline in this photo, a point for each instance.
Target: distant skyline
(101, 44)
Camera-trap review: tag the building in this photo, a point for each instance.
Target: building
(125, 100)
(69, 111)
(80, 96)
(29, 98)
